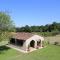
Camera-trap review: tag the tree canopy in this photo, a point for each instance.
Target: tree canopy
(47, 28)
(6, 25)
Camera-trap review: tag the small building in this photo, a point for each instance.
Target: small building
(27, 41)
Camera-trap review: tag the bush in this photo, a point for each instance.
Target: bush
(49, 33)
(56, 43)
(44, 43)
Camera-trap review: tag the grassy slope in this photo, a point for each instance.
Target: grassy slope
(51, 52)
(8, 54)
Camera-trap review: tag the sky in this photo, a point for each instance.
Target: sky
(32, 12)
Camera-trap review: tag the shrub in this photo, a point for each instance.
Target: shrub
(56, 43)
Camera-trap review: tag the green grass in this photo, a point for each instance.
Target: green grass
(51, 52)
(7, 53)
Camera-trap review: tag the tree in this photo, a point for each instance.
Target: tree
(54, 28)
(27, 28)
(6, 26)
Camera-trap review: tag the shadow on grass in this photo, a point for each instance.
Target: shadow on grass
(3, 48)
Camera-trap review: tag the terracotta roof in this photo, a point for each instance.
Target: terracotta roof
(22, 35)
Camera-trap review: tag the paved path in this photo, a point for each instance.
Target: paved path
(16, 48)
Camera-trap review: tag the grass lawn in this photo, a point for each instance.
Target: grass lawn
(50, 52)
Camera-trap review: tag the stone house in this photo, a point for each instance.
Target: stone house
(26, 41)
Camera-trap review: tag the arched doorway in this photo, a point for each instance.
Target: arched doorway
(39, 43)
(32, 43)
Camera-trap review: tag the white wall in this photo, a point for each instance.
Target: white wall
(35, 38)
(27, 42)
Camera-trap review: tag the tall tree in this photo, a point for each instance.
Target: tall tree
(6, 26)
(27, 28)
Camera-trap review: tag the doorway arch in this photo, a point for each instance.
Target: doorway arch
(39, 43)
(32, 43)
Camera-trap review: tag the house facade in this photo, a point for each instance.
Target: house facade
(27, 41)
